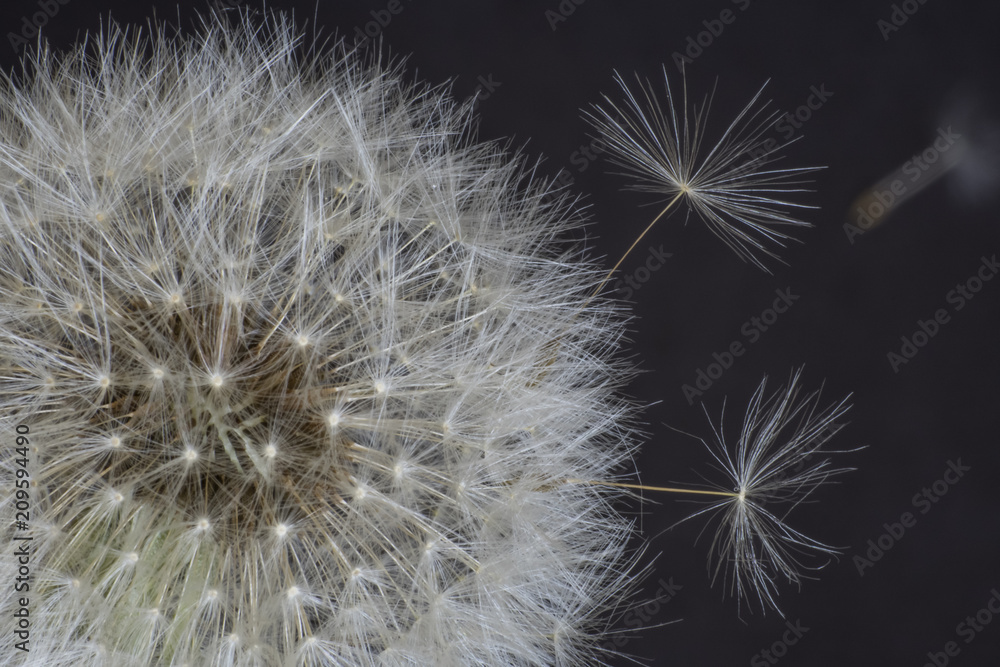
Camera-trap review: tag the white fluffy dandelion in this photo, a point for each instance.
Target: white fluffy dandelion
(731, 184)
(284, 343)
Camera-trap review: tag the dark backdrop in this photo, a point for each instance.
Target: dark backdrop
(888, 93)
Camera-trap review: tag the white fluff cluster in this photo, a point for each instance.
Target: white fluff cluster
(778, 460)
(306, 371)
(732, 183)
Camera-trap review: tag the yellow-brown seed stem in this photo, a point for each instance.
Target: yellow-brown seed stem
(665, 489)
(604, 282)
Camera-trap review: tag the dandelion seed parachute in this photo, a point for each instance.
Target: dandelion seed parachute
(732, 185)
(780, 457)
(282, 336)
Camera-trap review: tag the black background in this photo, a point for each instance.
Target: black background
(890, 95)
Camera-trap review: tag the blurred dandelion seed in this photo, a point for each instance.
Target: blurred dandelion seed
(731, 184)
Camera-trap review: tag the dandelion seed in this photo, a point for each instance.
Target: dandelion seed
(770, 466)
(778, 460)
(731, 184)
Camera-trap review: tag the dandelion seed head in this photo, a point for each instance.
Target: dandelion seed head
(320, 316)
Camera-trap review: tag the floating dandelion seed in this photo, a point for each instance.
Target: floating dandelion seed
(779, 459)
(773, 465)
(730, 184)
